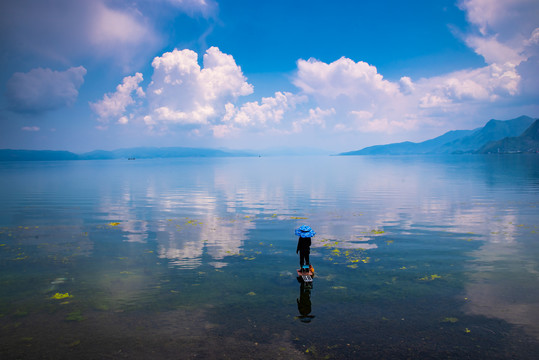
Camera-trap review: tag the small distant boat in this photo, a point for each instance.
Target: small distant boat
(131, 158)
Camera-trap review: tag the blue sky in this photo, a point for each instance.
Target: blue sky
(339, 75)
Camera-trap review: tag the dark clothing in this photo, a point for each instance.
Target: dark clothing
(304, 258)
(303, 244)
(304, 249)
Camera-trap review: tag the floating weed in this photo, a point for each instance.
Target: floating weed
(353, 266)
(450, 320)
(252, 293)
(377, 232)
(338, 287)
(60, 296)
(402, 268)
(430, 277)
(467, 331)
(249, 258)
(298, 218)
(114, 223)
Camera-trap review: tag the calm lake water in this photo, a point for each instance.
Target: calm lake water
(415, 257)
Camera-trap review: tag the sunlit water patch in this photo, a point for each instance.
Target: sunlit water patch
(415, 257)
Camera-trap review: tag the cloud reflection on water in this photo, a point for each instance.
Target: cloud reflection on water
(358, 204)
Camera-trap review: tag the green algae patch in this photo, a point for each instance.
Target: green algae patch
(450, 320)
(430, 277)
(60, 296)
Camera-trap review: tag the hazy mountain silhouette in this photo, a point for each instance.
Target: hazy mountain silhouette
(133, 153)
(453, 142)
(527, 142)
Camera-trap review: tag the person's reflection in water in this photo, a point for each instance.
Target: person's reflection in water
(304, 303)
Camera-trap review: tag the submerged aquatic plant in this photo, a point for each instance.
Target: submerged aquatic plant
(75, 316)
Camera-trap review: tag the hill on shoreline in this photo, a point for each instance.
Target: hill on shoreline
(528, 142)
(454, 142)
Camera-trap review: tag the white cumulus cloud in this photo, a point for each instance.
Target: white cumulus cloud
(342, 77)
(41, 89)
(508, 33)
(317, 117)
(352, 88)
(182, 92)
(114, 105)
(268, 113)
(364, 101)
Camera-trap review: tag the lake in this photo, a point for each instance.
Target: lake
(414, 257)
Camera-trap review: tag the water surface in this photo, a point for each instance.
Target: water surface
(415, 257)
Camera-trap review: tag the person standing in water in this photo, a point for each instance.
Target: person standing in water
(305, 234)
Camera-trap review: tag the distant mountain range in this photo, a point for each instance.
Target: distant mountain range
(528, 142)
(130, 153)
(520, 135)
(496, 136)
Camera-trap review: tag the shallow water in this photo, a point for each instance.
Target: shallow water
(415, 257)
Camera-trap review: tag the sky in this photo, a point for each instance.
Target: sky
(331, 75)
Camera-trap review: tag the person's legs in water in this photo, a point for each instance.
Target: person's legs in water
(303, 258)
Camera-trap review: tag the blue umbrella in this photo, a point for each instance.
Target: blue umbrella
(305, 231)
